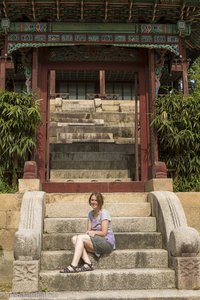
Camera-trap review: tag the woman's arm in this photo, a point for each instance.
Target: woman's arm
(89, 225)
(102, 232)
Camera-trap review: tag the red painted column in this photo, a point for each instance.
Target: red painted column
(35, 70)
(143, 126)
(42, 130)
(102, 82)
(52, 82)
(2, 74)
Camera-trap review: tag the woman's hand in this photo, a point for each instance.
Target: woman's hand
(91, 233)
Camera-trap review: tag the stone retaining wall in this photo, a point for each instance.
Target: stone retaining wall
(9, 219)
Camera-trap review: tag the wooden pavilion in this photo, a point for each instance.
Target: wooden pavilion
(111, 50)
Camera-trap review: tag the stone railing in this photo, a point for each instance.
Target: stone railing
(28, 243)
(181, 242)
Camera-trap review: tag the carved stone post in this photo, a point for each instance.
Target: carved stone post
(28, 243)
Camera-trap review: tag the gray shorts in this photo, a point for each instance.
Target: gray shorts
(101, 245)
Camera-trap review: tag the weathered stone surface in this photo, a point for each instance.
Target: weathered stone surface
(184, 241)
(107, 280)
(69, 210)
(71, 174)
(118, 259)
(25, 276)
(12, 219)
(28, 237)
(108, 197)
(159, 184)
(25, 185)
(2, 219)
(187, 271)
(169, 212)
(124, 240)
(7, 239)
(191, 205)
(147, 294)
(10, 202)
(77, 225)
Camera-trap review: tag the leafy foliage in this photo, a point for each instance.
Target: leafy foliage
(19, 118)
(178, 127)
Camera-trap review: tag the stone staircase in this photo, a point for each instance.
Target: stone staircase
(137, 269)
(91, 139)
(138, 263)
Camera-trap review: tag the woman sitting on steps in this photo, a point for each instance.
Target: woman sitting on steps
(99, 238)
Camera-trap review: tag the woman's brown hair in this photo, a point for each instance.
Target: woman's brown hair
(99, 198)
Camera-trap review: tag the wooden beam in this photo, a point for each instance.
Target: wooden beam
(106, 10)
(33, 9)
(82, 10)
(58, 9)
(5, 9)
(130, 10)
(2, 74)
(182, 10)
(102, 82)
(154, 10)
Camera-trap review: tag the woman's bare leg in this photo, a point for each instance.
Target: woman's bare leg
(82, 245)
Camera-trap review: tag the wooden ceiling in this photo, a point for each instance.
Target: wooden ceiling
(159, 11)
(110, 11)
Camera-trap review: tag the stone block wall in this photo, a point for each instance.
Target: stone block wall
(191, 205)
(9, 219)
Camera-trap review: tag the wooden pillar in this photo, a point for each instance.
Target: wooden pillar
(102, 82)
(185, 78)
(52, 82)
(184, 70)
(152, 105)
(2, 74)
(41, 154)
(35, 70)
(143, 126)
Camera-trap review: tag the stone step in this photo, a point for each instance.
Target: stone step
(118, 259)
(118, 140)
(81, 209)
(87, 123)
(119, 224)
(90, 165)
(117, 131)
(65, 136)
(91, 156)
(146, 294)
(114, 117)
(122, 198)
(93, 180)
(125, 279)
(108, 117)
(72, 174)
(125, 240)
(92, 147)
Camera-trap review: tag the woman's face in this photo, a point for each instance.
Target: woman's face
(94, 202)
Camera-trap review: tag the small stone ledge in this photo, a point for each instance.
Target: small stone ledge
(25, 185)
(159, 184)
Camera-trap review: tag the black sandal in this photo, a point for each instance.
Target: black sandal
(86, 267)
(70, 269)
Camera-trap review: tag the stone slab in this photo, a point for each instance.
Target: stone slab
(118, 259)
(78, 210)
(155, 294)
(84, 173)
(161, 184)
(25, 185)
(108, 280)
(108, 197)
(77, 225)
(135, 240)
(25, 276)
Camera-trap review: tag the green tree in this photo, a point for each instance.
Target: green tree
(19, 118)
(178, 128)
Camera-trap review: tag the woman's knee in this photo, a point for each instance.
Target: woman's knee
(74, 239)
